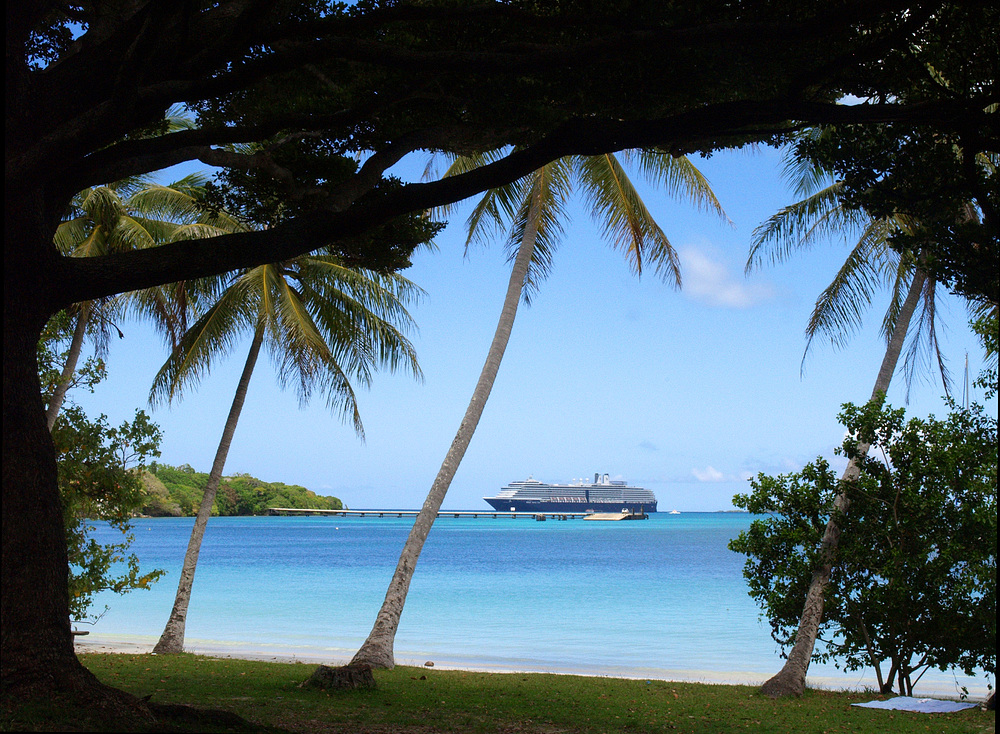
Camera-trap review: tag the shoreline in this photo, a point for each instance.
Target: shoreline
(143, 645)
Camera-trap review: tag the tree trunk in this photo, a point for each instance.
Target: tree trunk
(172, 639)
(37, 660)
(791, 679)
(377, 650)
(68, 370)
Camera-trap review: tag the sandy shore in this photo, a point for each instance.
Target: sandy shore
(137, 645)
(329, 656)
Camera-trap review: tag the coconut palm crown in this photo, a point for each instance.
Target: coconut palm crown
(327, 327)
(132, 214)
(870, 269)
(324, 325)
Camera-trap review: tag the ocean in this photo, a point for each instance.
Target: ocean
(662, 598)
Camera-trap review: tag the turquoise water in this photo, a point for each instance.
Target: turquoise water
(656, 598)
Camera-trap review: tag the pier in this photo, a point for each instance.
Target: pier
(614, 516)
(441, 513)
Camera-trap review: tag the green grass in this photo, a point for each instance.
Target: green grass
(426, 700)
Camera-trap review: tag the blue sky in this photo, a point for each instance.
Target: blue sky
(684, 392)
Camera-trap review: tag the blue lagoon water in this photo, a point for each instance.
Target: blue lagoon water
(659, 598)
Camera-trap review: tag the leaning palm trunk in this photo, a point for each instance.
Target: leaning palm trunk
(377, 650)
(172, 639)
(791, 679)
(66, 377)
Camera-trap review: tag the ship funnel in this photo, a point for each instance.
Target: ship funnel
(597, 477)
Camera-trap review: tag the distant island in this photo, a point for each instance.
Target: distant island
(176, 491)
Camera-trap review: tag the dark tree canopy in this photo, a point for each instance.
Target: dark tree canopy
(313, 102)
(383, 79)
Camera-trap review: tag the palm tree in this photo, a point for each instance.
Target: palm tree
(870, 266)
(533, 207)
(132, 214)
(324, 325)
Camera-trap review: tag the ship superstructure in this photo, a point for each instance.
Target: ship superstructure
(602, 495)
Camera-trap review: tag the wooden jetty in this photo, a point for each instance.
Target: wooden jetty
(616, 516)
(441, 513)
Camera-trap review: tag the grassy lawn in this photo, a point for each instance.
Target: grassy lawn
(421, 700)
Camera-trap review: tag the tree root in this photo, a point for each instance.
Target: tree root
(784, 683)
(345, 678)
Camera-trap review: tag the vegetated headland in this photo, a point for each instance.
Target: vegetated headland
(176, 491)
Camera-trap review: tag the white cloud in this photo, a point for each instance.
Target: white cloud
(708, 474)
(713, 283)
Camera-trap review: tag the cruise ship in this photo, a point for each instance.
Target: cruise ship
(603, 495)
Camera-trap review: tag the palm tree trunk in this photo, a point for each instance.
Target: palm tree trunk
(791, 679)
(172, 639)
(377, 650)
(66, 377)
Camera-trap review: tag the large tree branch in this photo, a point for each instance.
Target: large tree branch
(79, 279)
(138, 156)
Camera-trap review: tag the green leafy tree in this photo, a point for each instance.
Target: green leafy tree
(324, 324)
(240, 494)
(914, 580)
(531, 209)
(871, 267)
(99, 479)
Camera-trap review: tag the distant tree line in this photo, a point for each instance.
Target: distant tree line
(177, 491)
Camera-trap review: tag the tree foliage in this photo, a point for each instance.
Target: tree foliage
(240, 494)
(99, 479)
(312, 102)
(914, 583)
(945, 182)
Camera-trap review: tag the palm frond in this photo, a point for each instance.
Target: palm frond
(458, 164)
(496, 210)
(799, 226)
(678, 176)
(211, 337)
(538, 219)
(840, 308)
(923, 351)
(803, 174)
(626, 222)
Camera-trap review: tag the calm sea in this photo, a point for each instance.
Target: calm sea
(659, 598)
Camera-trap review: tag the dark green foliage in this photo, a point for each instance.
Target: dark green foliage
(945, 182)
(947, 193)
(99, 478)
(52, 350)
(255, 196)
(914, 579)
(241, 494)
(988, 329)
